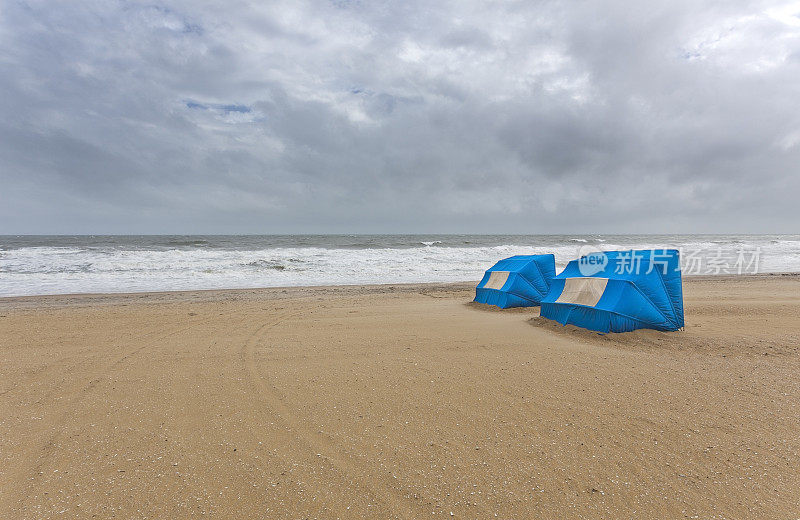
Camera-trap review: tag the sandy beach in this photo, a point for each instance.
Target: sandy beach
(401, 401)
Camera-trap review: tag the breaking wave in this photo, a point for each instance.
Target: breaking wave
(54, 265)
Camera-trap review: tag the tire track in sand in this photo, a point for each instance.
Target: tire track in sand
(314, 443)
(79, 390)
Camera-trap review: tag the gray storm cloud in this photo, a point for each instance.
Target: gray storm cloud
(355, 116)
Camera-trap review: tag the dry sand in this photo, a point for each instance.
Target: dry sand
(396, 402)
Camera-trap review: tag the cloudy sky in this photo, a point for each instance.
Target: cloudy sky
(404, 116)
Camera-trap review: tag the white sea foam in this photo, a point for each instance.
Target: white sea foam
(77, 269)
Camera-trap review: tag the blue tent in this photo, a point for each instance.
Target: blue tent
(618, 291)
(519, 281)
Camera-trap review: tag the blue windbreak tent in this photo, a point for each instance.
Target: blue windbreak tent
(618, 291)
(519, 281)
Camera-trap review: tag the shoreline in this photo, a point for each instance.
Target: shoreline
(57, 299)
(215, 295)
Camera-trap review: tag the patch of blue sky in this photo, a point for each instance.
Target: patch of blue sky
(226, 108)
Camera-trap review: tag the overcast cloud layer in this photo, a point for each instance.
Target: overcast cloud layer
(359, 116)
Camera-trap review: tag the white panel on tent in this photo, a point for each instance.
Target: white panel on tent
(583, 291)
(497, 279)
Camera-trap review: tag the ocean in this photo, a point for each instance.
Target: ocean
(31, 265)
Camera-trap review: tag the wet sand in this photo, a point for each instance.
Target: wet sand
(396, 402)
